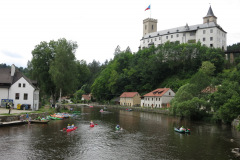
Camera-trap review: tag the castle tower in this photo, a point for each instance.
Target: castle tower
(149, 26)
(210, 17)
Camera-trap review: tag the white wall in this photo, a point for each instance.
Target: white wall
(158, 101)
(4, 93)
(28, 89)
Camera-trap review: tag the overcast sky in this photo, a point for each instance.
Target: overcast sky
(98, 26)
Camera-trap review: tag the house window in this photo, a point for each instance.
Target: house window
(159, 99)
(148, 98)
(19, 84)
(156, 99)
(145, 27)
(166, 37)
(177, 35)
(17, 96)
(24, 85)
(211, 45)
(25, 96)
(152, 27)
(152, 99)
(143, 41)
(211, 38)
(204, 31)
(184, 34)
(159, 38)
(169, 93)
(151, 40)
(171, 36)
(192, 33)
(203, 39)
(211, 30)
(155, 39)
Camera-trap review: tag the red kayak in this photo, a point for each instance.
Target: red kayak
(71, 129)
(91, 125)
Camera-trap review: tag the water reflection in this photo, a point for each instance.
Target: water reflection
(145, 136)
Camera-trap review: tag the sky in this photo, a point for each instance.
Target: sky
(99, 26)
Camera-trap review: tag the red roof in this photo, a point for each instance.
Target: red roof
(128, 94)
(86, 96)
(157, 92)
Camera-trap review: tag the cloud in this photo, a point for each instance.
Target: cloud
(11, 54)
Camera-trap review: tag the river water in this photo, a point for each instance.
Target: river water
(145, 136)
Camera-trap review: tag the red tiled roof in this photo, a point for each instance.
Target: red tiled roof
(157, 92)
(128, 94)
(86, 96)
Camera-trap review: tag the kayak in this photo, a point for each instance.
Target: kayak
(117, 128)
(91, 125)
(71, 129)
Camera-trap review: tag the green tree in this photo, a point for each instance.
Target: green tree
(63, 69)
(42, 57)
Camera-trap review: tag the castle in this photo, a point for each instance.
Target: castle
(209, 33)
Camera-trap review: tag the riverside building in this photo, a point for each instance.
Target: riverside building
(209, 33)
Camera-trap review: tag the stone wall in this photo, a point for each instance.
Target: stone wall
(17, 117)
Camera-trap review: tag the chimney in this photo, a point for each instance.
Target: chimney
(12, 70)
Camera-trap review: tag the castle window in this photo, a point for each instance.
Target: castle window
(211, 38)
(204, 31)
(192, 33)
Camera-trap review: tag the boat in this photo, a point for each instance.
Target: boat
(182, 131)
(71, 129)
(91, 125)
(117, 128)
(129, 109)
(55, 118)
(40, 121)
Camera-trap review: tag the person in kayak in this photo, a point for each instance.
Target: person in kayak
(68, 127)
(117, 127)
(91, 123)
(72, 126)
(182, 129)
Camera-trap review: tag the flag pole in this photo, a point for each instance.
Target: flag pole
(150, 10)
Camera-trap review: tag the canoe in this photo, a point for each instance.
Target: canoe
(55, 118)
(40, 121)
(181, 131)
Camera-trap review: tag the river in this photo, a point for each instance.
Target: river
(145, 136)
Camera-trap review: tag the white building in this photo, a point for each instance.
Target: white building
(18, 88)
(209, 33)
(159, 98)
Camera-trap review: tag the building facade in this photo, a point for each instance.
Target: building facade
(130, 99)
(209, 33)
(158, 98)
(19, 89)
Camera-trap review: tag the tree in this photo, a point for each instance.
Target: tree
(63, 69)
(42, 57)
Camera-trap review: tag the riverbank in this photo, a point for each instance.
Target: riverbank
(15, 114)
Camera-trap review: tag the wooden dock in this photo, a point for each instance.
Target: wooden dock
(12, 123)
